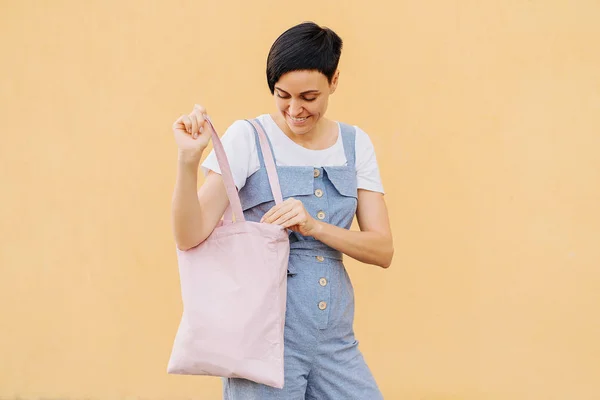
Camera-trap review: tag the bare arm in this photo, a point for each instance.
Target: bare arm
(196, 214)
(372, 244)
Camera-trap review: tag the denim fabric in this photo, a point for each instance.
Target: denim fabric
(321, 356)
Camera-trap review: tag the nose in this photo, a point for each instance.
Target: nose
(295, 108)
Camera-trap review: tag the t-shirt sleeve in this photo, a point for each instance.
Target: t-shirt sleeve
(367, 170)
(240, 148)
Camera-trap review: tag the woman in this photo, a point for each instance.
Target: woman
(328, 173)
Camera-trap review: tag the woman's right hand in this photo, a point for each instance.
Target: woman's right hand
(192, 134)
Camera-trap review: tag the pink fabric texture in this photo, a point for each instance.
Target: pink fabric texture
(233, 287)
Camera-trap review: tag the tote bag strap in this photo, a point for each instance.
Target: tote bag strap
(234, 199)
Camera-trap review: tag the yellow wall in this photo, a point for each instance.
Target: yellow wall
(486, 120)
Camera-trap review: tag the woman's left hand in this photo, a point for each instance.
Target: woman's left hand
(291, 214)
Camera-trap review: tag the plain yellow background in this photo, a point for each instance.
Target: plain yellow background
(485, 116)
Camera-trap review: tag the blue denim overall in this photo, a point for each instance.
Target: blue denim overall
(321, 357)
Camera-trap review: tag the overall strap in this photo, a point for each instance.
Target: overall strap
(267, 158)
(349, 141)
(261, 158)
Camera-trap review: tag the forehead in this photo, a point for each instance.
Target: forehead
(300, 81)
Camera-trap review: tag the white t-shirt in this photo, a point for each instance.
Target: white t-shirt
(240, 146)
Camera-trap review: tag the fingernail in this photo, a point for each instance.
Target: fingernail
(195, 135)
(201, 129)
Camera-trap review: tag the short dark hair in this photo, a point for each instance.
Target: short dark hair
(306, 46)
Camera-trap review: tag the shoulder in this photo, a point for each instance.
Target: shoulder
(239, 136)
(239, 128)
(364, 149)
(362, 139)
(367, 168)
(238, 141)
(243, 127)
(361, 135)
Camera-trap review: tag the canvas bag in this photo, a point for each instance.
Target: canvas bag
(233, 287)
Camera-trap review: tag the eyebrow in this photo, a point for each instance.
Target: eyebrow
(306, 92)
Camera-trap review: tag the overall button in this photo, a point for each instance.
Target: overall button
(321, 215)
(320, 258)
(319, 193)
(323, 282)
(316, 173)
(322, 305)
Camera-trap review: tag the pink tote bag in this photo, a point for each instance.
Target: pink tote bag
(233, 287)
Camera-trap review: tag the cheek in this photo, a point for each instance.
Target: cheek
(280, 103)
(318, 106)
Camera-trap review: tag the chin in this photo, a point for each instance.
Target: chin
(296, 130)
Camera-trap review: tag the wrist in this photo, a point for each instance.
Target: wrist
(317, 229)
(189, 160)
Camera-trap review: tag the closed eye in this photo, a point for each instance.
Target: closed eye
(288, 97)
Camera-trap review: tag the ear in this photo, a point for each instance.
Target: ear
(334, 82)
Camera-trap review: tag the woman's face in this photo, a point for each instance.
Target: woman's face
(302, 97)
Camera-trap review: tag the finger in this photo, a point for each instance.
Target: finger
(282, 219)
(200, 121)
(200, 111)
(270, 212)
(282, 209)
(200, 108)
(194, 122)
(184, 123)
(178, 124)
(297, 220)
(276, 208)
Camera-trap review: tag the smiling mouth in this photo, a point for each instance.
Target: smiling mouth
(302, 119)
